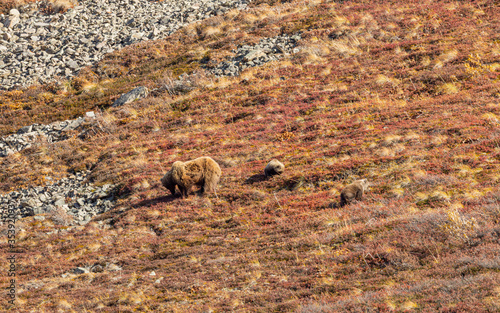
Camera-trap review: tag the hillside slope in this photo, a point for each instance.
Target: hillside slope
(404, 95)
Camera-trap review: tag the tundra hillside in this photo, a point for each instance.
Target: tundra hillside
(403, 94)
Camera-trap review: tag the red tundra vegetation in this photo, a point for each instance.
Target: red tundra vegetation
(405, 95)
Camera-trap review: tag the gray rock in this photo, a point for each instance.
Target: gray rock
(30, 203)
(11, 21)
(73, 65)
(113, 267)
(158, 280)
(41, 24)
(136, 36)
(14, 12)
(257, 53)
(60, 202)
(6, 36)
(131, 96)
(73, 124)
(57, 127)
(80, 270)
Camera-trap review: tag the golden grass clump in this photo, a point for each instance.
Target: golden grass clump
(249, 18)
(448, 88)
(458, 225)
(445, 57)
(384, 80)
(491, 117)
(211, 30)
(439, 195)
(389, 139)
(345, 47)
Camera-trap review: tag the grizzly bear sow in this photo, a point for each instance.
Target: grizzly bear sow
(353, 191)
(203, 172)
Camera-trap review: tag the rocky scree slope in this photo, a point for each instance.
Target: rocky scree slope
(53, 132)
(267, 50)
(37, 48)
(78, 199)
(246, 56)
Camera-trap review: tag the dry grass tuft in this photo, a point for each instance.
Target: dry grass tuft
(448, 88)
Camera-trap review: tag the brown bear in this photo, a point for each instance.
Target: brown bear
(274, 167)
(203, 172)
(353, 191)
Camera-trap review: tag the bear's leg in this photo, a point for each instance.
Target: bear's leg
(342, 200)
(211, 181)
(172, 190)
(210, 185)
(203, 187)
(187, 189)
(359, 195)
(183, 191)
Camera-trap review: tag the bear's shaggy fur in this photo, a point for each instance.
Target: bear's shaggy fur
(274, 167)
(353, 191)
(203, 172)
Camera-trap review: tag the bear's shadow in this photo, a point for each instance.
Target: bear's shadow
(162, 199)
(334, 205)
(255, 179)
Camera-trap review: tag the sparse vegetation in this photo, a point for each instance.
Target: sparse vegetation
(403, 95)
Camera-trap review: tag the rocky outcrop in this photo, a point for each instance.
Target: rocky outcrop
(27, 135)
(12, 20)
(267, 50)
(77, 198)
(135, 94)
(37, 48)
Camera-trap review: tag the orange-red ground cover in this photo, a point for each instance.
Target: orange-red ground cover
(406, 95)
